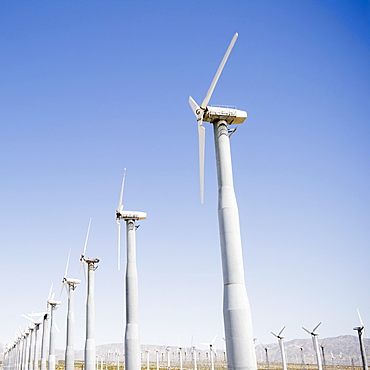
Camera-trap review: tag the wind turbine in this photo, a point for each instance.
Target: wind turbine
(53, 306)
(360, 330)
(315, 342)
(132, 341)
(236, 310)
(70, 285)
(168, 349)
(211, 351)
(90, 306)
(267, 356)
(302, 356)
(282, 350)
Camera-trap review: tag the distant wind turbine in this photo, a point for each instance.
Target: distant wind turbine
(315, 342)
(70, 285)
(267, 356)
(282, 350)
(132, 341)
(211, 351)
(360, 330)
(236, 309)
(53, 306)
(90, 306)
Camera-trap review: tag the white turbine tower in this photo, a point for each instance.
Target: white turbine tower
(70, 285)
(315, 342)
(53, 306)
(360, 330)
(236, 310)
(281, 345)
(132, 341)
(90, 306)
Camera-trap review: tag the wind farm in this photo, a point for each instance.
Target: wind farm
(279, 236)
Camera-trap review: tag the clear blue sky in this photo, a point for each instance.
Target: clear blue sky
(91, 87)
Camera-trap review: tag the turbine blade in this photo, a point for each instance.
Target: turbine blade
(213, 340)
(201, 139)
(306, 330)
(274, 334)
(218, 73)
(56, 327)
(316, 327)
(121, 193)
(281, 331)
(194, 106)
(359, 316)
(119, 244)
(87, 238)
(28, 318)
(69, 254)
(51, 288)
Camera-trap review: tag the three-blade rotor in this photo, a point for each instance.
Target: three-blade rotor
(118, 219)
(279, 335)
(313, 332)
(200, 111)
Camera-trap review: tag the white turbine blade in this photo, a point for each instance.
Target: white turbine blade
(281, 331)
(201, 139)
(66, 271)
(274, 335)
(51, 288)
(359, 316)
(28, 318)
(121, 193)
(218, 73)
(56, 327)
(316, 327)
(52, 297)
(119, 243)
(194, 106)
(213, 340)
(87, 238)
(306, 330)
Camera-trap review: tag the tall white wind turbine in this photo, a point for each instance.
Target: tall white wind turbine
(132, 341)
(236, 310)
(315, 342)
(281, 345)
(53, 306)
(360, 329)
(70, 285)
(90, 355)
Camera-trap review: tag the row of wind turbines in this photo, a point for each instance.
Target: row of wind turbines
(320, 357)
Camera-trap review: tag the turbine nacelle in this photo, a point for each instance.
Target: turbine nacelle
(216, 113)
(54, 303)
(71, 281)
(132, 215)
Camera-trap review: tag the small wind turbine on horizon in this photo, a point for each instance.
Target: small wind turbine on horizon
(132, 341)
(211, 351)
(315, 342)
(267, 356)
(281, 345)
(90, 306)
(70, 285)
(236, 310)
(360, 330)
(302, 356)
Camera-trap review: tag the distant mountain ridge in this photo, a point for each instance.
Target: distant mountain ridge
(342, 350)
